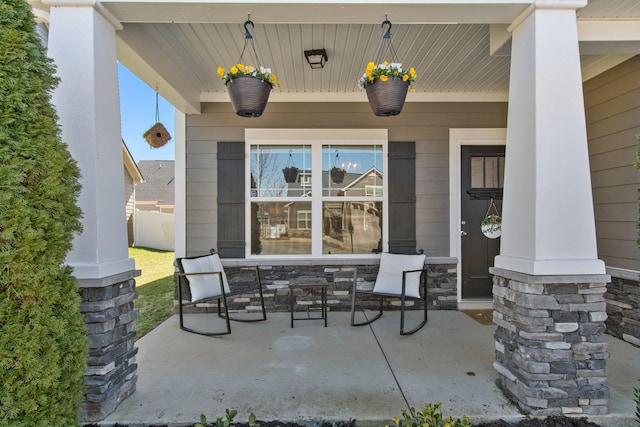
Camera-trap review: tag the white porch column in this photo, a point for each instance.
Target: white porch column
(548, 223)
(82, 43)
(548, 286)
(180, 215)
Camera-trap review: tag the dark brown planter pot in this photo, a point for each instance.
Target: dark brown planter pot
(290, 174)
(249, 95)
(337, 175)
(387, 98)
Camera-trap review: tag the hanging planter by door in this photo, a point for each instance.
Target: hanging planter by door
(249, 87)
(387, 83)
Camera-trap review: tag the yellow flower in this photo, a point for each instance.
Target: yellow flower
(221, 71)
(234, 69)
(405, 78)
(384, 78)
(385, 63)
(370, 66)
(273, 78)
(240, 67)
(412, 72)
(412, 89)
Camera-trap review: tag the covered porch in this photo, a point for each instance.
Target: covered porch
(339, 373)
(524, 74)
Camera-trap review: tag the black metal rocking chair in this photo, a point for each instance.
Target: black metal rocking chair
(206, 280)
(399, 276)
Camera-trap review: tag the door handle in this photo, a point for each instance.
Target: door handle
(463, 233)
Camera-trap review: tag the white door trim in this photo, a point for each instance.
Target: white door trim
(458, 138)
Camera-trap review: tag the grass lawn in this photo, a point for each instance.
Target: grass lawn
(154, 286)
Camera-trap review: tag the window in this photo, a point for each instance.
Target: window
(304, 220)
(316, 197)
(487, 171)
(373, 190)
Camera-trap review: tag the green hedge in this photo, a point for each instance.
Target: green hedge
(43, 342)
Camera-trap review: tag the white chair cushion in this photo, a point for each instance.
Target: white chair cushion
(204, 286)
(389, 279)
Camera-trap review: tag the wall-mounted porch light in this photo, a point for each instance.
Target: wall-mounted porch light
(316, 58)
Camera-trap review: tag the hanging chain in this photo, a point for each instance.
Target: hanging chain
(249, 41)
(157, 109)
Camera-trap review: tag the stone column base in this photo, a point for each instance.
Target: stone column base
(107, 305)
(550, 348)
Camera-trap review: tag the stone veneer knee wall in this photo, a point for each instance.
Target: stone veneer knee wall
(623, 307)
(550, 349)
(107, 306)
(441, 287)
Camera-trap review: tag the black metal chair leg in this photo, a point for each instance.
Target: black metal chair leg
(181, 315)
(424, 304)
(379, 315)
(264, 310)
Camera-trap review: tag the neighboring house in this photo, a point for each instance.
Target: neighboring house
(530, 104)
(157, 192)
(155, 205)
(132, 177)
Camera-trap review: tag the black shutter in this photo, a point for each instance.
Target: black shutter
(402, 197)
(231, 189)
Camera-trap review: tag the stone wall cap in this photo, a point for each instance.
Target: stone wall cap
(109, 280)
(546, 279)
(329, 261)
(622, 273)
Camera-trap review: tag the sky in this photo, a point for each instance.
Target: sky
(138, 114)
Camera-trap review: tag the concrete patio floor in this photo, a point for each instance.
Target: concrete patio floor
(339, 373)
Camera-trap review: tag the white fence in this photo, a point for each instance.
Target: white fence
(154, 230)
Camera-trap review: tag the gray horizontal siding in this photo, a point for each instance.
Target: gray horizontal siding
(201, 195)
(427, 124)
(612, 102)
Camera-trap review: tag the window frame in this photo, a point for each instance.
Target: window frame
(316, 139)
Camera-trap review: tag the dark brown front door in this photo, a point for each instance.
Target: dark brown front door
(482, 173)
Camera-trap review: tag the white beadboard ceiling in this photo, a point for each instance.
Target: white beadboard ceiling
(179, 45)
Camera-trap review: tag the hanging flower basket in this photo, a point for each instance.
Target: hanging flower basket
(337, 175)
(491, 226)
(386, 98)
(248, 86)
(387, 83)
(249, 95)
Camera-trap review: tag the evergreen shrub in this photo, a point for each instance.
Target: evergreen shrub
(43, 340)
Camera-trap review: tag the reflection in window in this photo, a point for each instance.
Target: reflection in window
(281, 228)
(340, 187)
(351, 227)
(348, 169)
(373, 190)
(280, 170)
